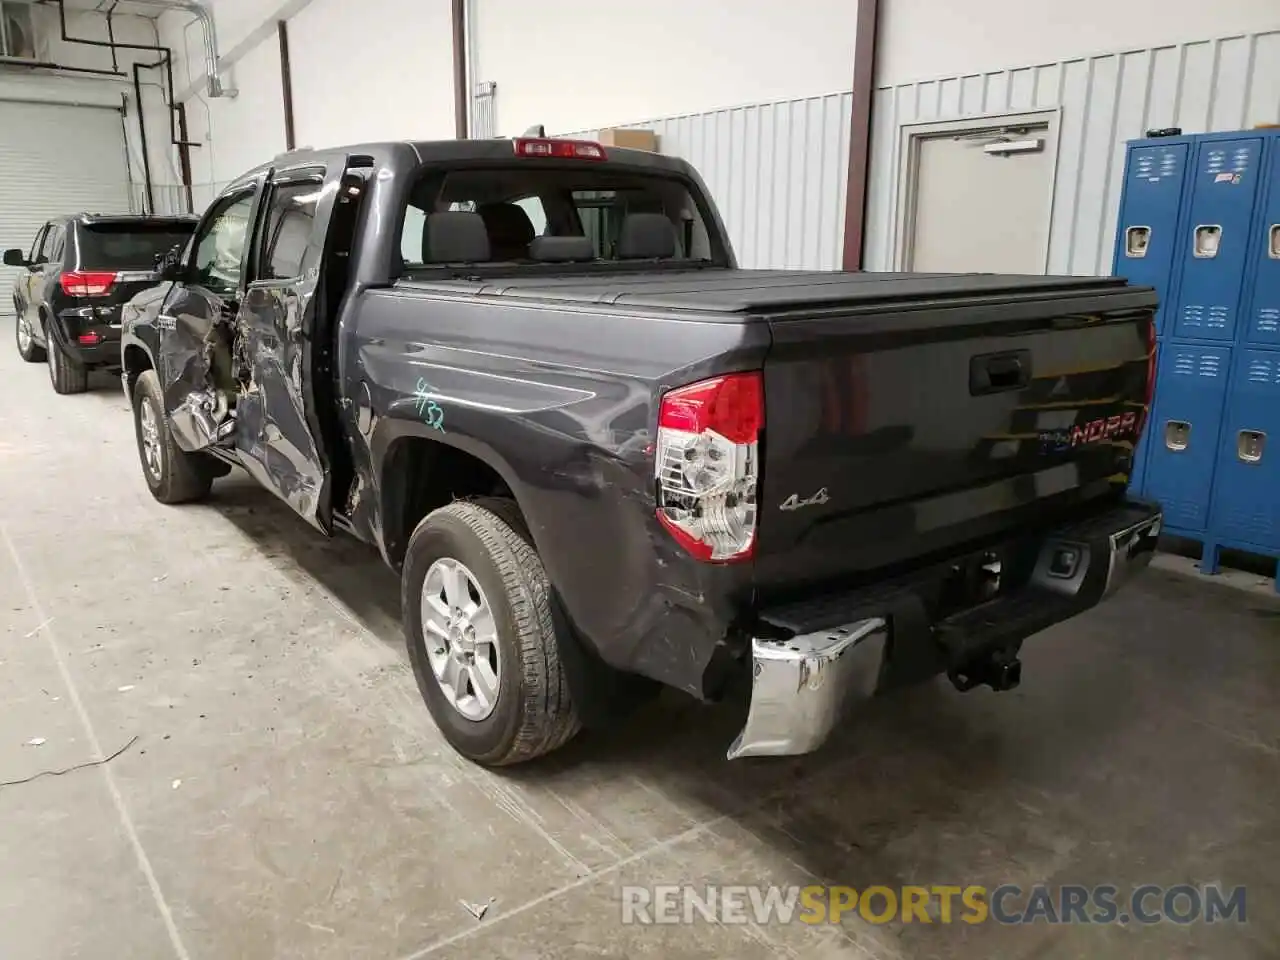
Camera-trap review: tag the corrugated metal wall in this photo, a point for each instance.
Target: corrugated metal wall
(777, 172)
(1223, 84)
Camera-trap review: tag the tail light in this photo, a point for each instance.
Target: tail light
(87, 283)
(1150, 396)
(707, 463)
(560, 149)
(90, 339)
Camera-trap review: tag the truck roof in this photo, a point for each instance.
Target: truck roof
(726, 291)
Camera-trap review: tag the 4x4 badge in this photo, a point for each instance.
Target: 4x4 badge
(794, 502)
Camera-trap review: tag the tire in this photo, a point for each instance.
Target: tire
(533, 713)
(175, 476)
(65, 374)
(29, 350)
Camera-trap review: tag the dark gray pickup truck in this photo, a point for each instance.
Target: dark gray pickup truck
(604, 459)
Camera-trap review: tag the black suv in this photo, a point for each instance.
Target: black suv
(80, 271)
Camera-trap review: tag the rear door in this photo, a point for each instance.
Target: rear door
(278, 433)
(22, 286)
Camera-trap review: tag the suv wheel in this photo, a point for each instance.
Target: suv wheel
(27, 347)
(172, 474)
(477, 617)
(65, 374)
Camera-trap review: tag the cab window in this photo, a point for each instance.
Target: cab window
(218, 264)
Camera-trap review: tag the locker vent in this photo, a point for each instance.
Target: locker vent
(1211, 318)
(1268, 320)
(1257, 525)
(1263, 371)
(1197, 364)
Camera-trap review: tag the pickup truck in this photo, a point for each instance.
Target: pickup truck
(605, 460)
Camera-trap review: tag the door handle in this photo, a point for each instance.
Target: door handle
(1177, 435)
(1250, 444)
(999, 372)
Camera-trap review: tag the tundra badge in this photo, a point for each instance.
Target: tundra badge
(794, 502)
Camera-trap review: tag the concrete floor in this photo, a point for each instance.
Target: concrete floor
(288, 796)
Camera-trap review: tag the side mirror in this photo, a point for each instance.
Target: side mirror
(16, 258)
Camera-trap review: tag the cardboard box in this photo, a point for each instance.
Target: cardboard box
(630, 139)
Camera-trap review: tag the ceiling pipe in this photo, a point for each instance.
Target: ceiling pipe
(204, 15)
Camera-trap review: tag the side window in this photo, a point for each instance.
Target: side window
(34, 256)
(415, 220)
(53, 243)
(218, 264)
(290, 218)
(536, 212)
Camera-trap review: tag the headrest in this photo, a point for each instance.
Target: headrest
(646, 236)
(562, 249)
(507, 222)
(454, 237)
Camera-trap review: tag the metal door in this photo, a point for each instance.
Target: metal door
(975, 210)
(1216, 240)
(1246, 507)
(278, 432)
(1184, 431)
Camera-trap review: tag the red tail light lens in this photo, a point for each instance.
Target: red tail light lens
(560, 149)
(89, 339)
(87, 283)
(707, 464)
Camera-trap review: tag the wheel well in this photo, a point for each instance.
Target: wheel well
(420, 475)
(136, 363)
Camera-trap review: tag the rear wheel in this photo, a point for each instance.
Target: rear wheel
(65, 374)
(28, 350)
(172, 474)
(477, 616)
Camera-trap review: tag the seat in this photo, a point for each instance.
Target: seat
(646, 236)
(454, 237)
(510, 230)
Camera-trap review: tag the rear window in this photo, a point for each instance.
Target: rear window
(128, 246)
(617, 215)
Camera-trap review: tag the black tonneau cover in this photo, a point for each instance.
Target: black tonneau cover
(712, 290)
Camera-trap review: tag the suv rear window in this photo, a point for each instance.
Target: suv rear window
(128, 246)
(523, 202)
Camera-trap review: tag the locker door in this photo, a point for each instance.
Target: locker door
(1215, 245)
(1264, 304)
(1246, 499)
(1191, 388)
(1145, 239)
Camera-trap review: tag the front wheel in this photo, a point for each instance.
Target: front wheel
(172, 474)
(477, 616)
(28, 349)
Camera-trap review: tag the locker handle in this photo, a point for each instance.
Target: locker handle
(1207, 240)
(1250, 444)
(1273, 242)
(1177, 435)
(1137, 240)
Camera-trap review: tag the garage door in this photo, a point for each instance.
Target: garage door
(56, 159)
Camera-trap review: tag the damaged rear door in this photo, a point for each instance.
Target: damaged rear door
(277, 427)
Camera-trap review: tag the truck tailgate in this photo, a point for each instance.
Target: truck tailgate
(895, 435)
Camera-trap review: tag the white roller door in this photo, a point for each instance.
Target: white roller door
(56, 159)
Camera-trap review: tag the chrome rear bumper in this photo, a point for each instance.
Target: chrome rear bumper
(800, 687)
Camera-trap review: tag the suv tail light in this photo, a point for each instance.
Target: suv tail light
(87, 283)
(707, 465)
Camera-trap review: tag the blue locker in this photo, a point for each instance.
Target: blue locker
(1147, 229)
(1216, 242)
(1263, 304)
(1246, 499)
(1183, 432)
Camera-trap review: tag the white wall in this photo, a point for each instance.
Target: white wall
(581, 64)
(928, 39)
